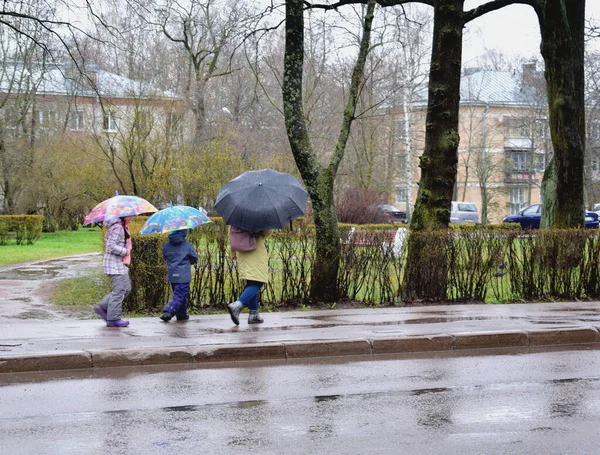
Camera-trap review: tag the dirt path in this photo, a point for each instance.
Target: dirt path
(25, 288)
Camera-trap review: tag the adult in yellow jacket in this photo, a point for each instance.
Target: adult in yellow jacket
(253, 266)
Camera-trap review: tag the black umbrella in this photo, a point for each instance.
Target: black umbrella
(259, 200)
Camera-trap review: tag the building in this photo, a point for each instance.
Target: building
(47, 103)
(38, 100)
(504, 142)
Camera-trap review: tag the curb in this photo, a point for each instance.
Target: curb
(96, 358)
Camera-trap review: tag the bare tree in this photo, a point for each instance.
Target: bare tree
(24, 44)
(206, 30)
(319, 179)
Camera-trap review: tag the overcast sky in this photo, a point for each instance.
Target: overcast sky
(513, 30)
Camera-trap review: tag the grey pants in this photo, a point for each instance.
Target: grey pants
(112, 303)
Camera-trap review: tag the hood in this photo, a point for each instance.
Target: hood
(108, 223)
(178, 237)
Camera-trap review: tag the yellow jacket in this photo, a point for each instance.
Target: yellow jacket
(254, 265)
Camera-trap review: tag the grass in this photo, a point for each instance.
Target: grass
(53, 245)
(83, 290)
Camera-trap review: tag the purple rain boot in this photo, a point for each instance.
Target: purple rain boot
(100, 312)
(117, 323)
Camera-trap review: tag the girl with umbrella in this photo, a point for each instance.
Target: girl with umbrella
(117, 257)
(116, 213)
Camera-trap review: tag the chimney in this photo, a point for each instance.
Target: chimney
(528, 76)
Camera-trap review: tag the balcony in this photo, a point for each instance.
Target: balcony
(518, 176)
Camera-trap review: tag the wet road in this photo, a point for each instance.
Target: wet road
(544, 402)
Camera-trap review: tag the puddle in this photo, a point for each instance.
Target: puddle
(31, 274)
(51, 269)
(458, 319)
(35, 314)
(424, 320)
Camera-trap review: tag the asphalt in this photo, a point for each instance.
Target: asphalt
(56, 341)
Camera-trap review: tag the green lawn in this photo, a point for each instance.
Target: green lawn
(53, 245)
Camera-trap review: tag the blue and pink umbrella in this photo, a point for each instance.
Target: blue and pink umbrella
(174, 218)
(119, 206)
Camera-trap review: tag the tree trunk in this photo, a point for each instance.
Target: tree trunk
(199, 109)
(562, 29)
(319, 180)
(439, 160)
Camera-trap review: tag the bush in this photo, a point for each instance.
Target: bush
(148, 272)
(25, 228)
(359, 206)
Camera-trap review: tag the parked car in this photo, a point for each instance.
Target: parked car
(463, 212)
(597, 208)
(392, 214)
(529, 218)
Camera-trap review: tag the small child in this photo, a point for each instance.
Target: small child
(180, 256)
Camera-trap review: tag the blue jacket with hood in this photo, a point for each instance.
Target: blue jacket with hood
(180, 256)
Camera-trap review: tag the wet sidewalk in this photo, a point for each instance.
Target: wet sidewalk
(52, 341)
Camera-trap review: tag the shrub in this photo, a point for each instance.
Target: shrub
(481, 264)
(26, 228)
(359, 206)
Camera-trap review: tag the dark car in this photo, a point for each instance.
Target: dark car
(392, 214)
(529, 218)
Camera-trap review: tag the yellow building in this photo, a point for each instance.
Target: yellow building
(504, 142)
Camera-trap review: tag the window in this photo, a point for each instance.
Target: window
(594, 130)
(110, 122)
(516, 127)
(595, 166)
(173, 123)
(401, 194)
(12, 118)
(401, 165)
(45, 119)
(533, 210)
(466, 207)
(76, 120)
(539, 162)
(142, 120)
(541, 128)
(519, 161)
(517, 199)
(401, 129)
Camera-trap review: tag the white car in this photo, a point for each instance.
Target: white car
(463, 212)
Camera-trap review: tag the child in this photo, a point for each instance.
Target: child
(180, 256)
(117, 257)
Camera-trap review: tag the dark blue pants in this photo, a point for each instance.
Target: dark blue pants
(177, 306)
(250, 295)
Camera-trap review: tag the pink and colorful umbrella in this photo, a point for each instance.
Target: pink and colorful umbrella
(119, 206)
(174, 218)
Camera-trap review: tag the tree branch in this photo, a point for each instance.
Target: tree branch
(496, 5)
(382, 3)
(355, 85)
